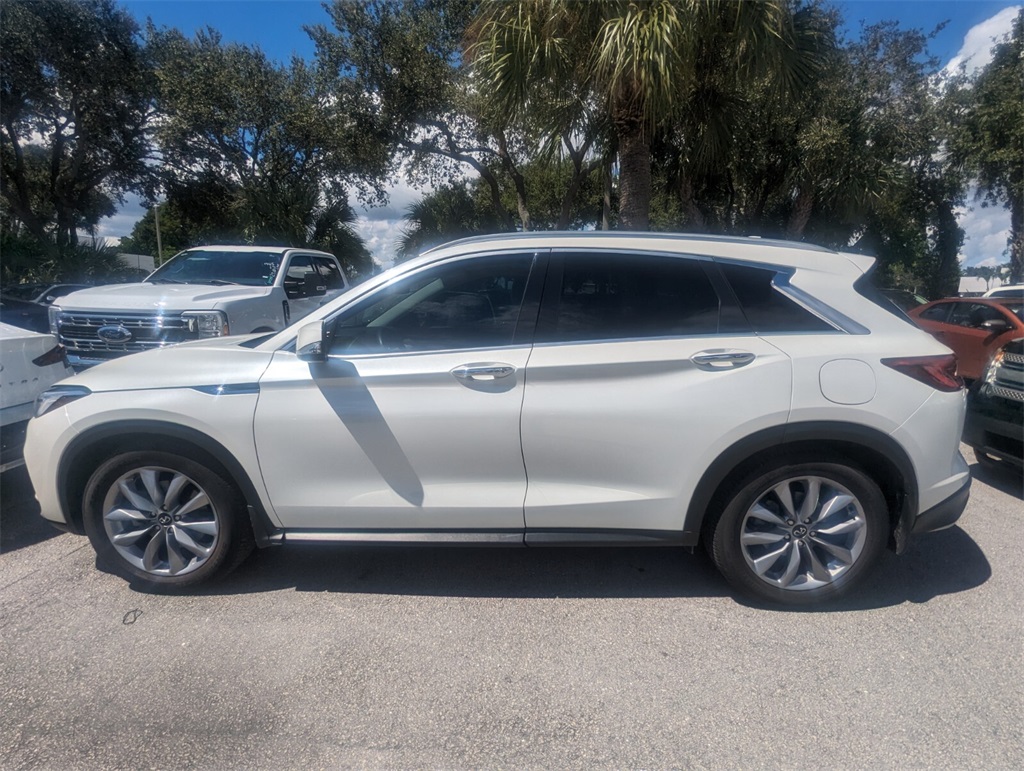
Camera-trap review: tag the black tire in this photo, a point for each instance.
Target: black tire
(165, 544)
(800, 565)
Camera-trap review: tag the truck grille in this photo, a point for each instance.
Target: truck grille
(79, 333)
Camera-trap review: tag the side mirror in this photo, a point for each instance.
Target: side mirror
(314, 286)
(309, 344)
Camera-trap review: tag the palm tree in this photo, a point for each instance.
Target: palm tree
(448, 213)
(637, 60)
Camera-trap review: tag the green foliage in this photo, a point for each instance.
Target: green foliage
(990, 139)
(26, 259)
(77, 93)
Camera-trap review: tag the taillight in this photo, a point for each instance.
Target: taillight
(937, 371)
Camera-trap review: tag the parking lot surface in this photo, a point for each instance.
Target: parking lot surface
(476, 658)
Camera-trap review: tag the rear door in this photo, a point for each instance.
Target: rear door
(642, 373)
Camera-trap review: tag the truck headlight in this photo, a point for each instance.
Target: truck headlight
(207, 323)
(54, 315)
(58, 396)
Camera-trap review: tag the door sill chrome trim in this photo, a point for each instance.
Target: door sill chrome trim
(568, 537)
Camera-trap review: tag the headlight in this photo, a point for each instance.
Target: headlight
(54, 314)
(207, 323)
(58, 396)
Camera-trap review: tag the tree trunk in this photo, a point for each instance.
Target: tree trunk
(695, 220)
(517, 180)
(634, 175)
(606, 199)
(1016, 239)
(945, 279)
(801, 214)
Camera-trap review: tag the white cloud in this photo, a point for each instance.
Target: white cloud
(976, 51)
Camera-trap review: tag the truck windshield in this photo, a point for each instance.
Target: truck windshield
(210, 266)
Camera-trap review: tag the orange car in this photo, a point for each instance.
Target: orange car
(974, 327)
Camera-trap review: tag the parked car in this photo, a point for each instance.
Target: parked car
(1016, 292)
(758, 397)
(974, 327)
(995, 409)
(41, 292)
(29, 364)
(24, 314)
(210, 291)
(903, 299)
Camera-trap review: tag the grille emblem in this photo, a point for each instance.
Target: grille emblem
(114, 334)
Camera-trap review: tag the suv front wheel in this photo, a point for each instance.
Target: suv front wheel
(800, 533)
(164, 519)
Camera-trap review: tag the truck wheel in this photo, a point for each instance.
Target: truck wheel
(165, 520)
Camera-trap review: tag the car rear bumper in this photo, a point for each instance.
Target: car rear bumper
(945, 513)
(995, 426)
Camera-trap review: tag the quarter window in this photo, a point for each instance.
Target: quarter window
(623, 296)
(766, 308)
(471, 303)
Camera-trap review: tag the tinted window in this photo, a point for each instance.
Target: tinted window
(617, 296)
(973, 314)
(471, 303)
(766, 308)
(330, 272)
(295, 279)
(936, 312)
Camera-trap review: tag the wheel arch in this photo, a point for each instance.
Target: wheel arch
(875, 453)
(90, 449)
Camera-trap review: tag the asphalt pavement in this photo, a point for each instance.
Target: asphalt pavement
(346, 657)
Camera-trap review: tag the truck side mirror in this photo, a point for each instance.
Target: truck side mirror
(314, 286)
(309, 344)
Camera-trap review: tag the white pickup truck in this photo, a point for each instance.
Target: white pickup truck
(209, 291)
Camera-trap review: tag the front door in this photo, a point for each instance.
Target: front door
(412, 423)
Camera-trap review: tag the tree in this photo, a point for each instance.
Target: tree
(77, 88)
(637, 62)
(269, 138)
(991, 140)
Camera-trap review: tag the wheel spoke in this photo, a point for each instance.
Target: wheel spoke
(151, 481)
(760, 512)
(138, 501)
(150, 556)
(810, 502)
(175, 559)
(174, 489)
(126, 515)
(132, 536)
(842, 527)
(760, 538)
(794, 565)
(833, 505)
(818, 570)
(785, 496)
(185, 540)
(762, 564)
(204, 526)
(839, 552)
(199, 500)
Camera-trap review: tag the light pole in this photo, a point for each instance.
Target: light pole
(159, 246)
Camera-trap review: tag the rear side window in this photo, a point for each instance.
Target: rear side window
(766, 308)
(627, 296)
(937, 312)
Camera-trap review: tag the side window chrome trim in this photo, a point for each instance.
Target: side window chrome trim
(811, 304)
(432, 352)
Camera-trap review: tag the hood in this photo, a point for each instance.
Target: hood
(201, 363)
(157, 298)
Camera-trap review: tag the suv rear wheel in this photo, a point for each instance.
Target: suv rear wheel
(800, 533)
(165, 519)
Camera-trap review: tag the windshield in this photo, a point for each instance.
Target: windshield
(210, 266)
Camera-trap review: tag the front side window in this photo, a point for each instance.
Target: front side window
(330, 272)
(628, 296)
(472, 303)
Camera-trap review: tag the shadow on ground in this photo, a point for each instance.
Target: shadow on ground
(937, 564)
(20, 523)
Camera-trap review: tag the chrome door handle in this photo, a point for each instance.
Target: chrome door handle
(720, 358)
(488, 371)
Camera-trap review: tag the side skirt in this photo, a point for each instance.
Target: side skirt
(488, 537)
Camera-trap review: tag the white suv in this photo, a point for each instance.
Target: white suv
(535, 389)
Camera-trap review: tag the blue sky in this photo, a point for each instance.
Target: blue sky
(276, 26)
